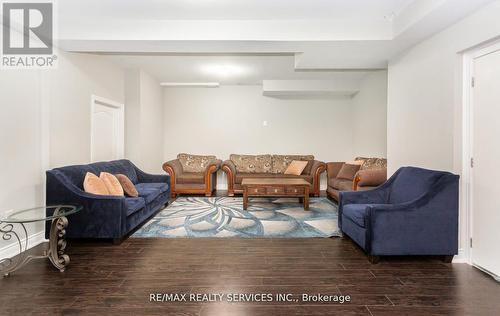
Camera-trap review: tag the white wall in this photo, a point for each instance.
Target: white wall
(370, 116)
(21, 153)
(132, 115)
(144, 121)
(425, 97)
(70, 88)
(45, 123)
(229, 119)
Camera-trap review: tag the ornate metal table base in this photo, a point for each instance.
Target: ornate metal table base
(55, 253)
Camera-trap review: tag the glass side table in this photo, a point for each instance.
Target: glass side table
(12, 227)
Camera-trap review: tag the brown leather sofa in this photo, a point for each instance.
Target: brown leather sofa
(370, 173)
(269, 166)
(192, 174)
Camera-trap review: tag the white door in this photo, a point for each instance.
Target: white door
(485, 252)
(107, 131)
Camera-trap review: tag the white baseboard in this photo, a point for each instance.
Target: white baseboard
(12, 249)
(493, 275)
(460, 258)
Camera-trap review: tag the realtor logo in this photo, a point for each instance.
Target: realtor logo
(27, 35)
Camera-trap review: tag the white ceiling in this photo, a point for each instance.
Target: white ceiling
(233, 9)
(176, 40)
(248, 70)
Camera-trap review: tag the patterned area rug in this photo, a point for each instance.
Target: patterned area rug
(225, 217)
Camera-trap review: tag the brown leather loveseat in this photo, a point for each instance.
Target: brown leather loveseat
(269, 166)
(361, 174)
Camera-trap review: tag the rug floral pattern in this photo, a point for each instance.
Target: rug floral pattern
(225, 217)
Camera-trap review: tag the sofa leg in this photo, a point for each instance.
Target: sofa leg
(208, 194)
(447, 259)
(173, 195)
(373, 259)
(230, 193)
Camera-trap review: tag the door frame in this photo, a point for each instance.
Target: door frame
(94, 100)
(467, 141)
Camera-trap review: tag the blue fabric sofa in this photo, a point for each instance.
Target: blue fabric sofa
(110, 217)
(414, 213)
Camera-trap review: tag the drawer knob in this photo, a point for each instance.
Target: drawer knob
(275, 190)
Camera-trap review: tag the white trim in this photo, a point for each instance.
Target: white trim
(94, 99)
(466, 154)
(12, 249)
(467, 141)
(493, 275)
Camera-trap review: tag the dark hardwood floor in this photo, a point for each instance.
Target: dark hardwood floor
(105, 279)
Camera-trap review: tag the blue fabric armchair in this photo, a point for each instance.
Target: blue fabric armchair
(414, 213)
(110, 217)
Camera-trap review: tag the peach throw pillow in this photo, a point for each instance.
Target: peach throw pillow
(93, 184)
(112, 184)
(296, 167)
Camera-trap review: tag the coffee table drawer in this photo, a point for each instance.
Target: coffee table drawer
(275, 190)
(256, 190)
(295, 190)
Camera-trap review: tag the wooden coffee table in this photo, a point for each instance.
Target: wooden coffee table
(265, 187)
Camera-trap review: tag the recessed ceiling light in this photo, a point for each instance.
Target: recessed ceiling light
(224, 70)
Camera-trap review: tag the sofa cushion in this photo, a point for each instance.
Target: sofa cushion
(150, 191)
(374, 163)
(252, 163)
(348, 171)
(281, 162)
(239, 176)
(95, 185)
(112, 184)
(194, 163)
(356, 213)
(340, 184)
(296, 167)
(374, 177)
(127, 185)
(191, 177)
(134, 204)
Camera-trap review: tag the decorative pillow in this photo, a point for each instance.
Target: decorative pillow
(296, 167)
(112, 184)
(252, 163)
(194, 163)
(93, 184)
(281, 162)
(374, 163)
(358, 162)
(348, 171)
(127, 185)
